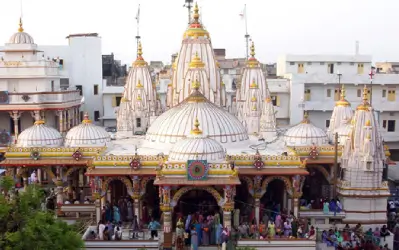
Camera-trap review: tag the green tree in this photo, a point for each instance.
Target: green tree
(23, 225)
(6, 183)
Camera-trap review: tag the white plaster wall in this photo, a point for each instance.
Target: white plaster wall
(318, 118)
(30, 85)
(364, 205)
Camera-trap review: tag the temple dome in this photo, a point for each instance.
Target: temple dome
(176, 123)
(39, 135)
(21, 37)
(305, 133)
(197, 147)
(343, 131)
(87, 135)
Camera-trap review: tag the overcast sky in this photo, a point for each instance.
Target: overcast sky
(278, 27)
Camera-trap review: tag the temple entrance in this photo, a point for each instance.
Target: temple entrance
(244, 202)
(150, 203)
(196, 201)
(273, 201)
(118, 191)
(316, 187)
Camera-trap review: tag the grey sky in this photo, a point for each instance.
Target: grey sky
(278, 27)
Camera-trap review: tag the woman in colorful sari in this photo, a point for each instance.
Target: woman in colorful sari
(205, 233)
(272, 230)
(377, 236)
(279, 225)
(324, 237)
(117, 215)
(194, 238)
(287, 229)
(198, 229)
(326, 208)
(339, 237)
(233, 237)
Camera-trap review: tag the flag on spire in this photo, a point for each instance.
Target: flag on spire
(243, 13)
(138, 14)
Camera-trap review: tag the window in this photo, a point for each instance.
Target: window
(138, 122)
(96, 116)
(292, 63)
(322, 63)
(80, 88)
(52, 86)
(301, 68)
(307, 95)
(339, 63)
(391, 126)
(391, 95)
(81, 115)
(359, 93)
(337, 94)
(360, 68)
(352, 63)
(95, 89)
(330, 68)
(275, 100)
(327, 123)
(328, 92)
(309, 63)
(384, 124)
(384, 93)
(116, 101)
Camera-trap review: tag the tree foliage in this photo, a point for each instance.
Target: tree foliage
(23, 224)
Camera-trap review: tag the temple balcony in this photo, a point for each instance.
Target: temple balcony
(39, 100)
(28, 69)
(319, 218)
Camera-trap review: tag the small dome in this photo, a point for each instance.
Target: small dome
(21, 37)
(343, 131)
(39, 135)
(305, 133)
(87, 135)
(197, 147)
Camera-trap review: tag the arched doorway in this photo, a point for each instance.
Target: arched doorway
(275, 191)
(118, 191)
(150, 202)
(316, 186)
(196, 201)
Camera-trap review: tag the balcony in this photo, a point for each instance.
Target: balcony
(32, 69)
(39, 100)
(328, 105)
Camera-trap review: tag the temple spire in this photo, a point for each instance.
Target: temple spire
(343, 92)
(196, 15)
(252, 48)
(139, 50)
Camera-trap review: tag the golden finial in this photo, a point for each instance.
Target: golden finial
(86, 119)
(21, 29)
(196, 62)
(222, 83)
(139, 97)
(39, 122)
(196, 84)
(365, 105)
(124, 99)
(252, 49)
(368, 123)
(196, 130)
(254, 108)
(139, 85)
(253, 99)
(305, 118)
(196, 13)
(268, 100)
(139, 50)
(253, 84)
(343, 92)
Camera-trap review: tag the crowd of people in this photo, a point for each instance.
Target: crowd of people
(356, 238)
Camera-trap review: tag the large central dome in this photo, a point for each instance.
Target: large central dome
(175, 124)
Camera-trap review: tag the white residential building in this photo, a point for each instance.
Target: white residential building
(315, 82)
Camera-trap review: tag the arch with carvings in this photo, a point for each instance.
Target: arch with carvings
(322, 170)
(176, 197)
(143, 184)
(286, 180)
(249, 182)
(123, 179)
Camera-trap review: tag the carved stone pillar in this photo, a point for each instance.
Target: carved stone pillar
(229, 193)
(25, 179)
(60, 197)
(227, 217)
(109, 194)
(39, 176)
(166, 208)
(295, 201)
(98, 208)
(257, 210)
(15, 115)
(136, 197)
(43, 114)
(69, 123)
